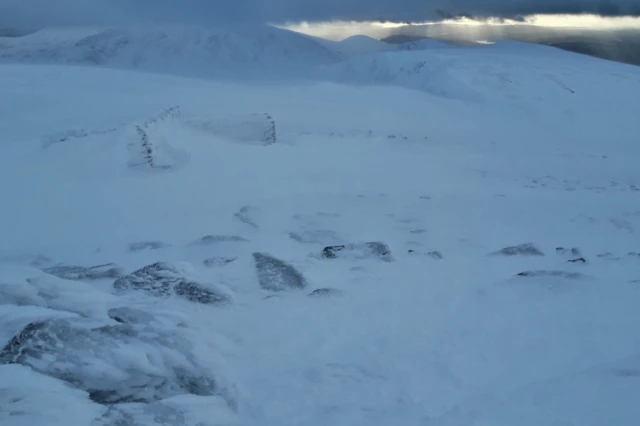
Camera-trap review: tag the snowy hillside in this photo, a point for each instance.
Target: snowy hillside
(441, 237)
(188, 51)
(356, 45)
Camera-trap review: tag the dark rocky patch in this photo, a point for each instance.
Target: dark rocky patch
(359, 251)
(68, 350)
(527, 249)
(277, 275)
(213, 262)
(194, 292)
(325, 292)
(556, 274)
(80, 273)
(147, 245)
(578, 260)
(634, 254)
(163, 280)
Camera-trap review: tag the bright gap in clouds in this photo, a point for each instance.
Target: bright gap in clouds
(339, 30)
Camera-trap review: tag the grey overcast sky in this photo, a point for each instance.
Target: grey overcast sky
(37, 13)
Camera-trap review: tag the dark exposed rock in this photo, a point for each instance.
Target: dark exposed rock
(157, 279)
(163, 279)
(634, 254)
(359, 251)
(79, 273)
(578, 260)
(147, 245)
(557, 274)
(325, 292)
(277, 275)
(69, 350)
(194, 292)
(527, 249)
(216, 261)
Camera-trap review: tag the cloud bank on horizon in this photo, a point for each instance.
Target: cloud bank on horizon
(38, 13)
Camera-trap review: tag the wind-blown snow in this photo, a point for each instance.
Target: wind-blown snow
(483, 216)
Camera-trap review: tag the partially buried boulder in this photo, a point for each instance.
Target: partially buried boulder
(553, 274)
(527, 249)
(277, 275)
(100, 360)
(80, 273)
(163, 279)
(217, 261)
(325, 292)
(367, 250)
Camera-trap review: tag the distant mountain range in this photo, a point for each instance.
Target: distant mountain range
(617, 45)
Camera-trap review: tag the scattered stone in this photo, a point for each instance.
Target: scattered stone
(70, 350)
(527, 249)
(277, 275)
(147, 245)
(359, 251)
(163, 280)
(217, 261)
(578, 260)
(249, 215)
(80, 273)
(558, 274)
(634, 254)
(325, 292)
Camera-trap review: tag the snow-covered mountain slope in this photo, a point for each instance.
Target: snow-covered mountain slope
(190, 51)
(188, 252)
(356, 45)
(510, 71)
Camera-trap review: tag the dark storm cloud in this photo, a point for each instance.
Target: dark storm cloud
(15, 13)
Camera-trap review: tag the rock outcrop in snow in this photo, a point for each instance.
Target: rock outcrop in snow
(277, 275)
(163, 280)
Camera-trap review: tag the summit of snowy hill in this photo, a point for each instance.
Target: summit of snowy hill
(241, 52)
(433, 237)
(357, 45)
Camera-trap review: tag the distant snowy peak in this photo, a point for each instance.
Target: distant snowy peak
(190, 51)
(357, 45)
